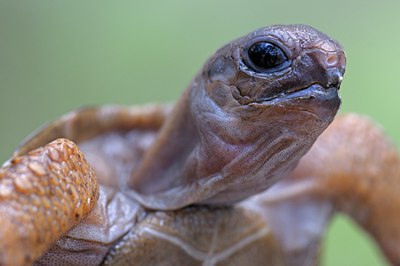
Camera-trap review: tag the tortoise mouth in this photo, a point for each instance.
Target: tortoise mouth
(321, 102)
(314, 91)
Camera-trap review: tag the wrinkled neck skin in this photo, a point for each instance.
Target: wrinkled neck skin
(245, 159)
(243, 150)
(233, 134)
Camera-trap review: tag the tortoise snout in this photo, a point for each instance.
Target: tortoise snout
(334, 78)
(332, 65)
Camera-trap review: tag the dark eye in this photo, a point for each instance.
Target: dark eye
(266, 55)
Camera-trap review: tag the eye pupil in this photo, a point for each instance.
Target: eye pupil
(266, 55)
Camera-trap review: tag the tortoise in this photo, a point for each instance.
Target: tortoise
(241, 171)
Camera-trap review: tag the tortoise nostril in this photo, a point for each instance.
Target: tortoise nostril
(332, 59)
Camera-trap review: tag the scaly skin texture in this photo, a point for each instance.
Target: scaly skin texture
(42, 196)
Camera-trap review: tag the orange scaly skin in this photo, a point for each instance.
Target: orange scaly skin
(42, 196)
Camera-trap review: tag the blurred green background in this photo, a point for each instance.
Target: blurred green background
(59, 55)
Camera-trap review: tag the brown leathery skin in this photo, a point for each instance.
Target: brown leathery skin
(42, 196)
(237, 129)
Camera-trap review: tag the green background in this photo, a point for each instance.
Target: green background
(59, 55)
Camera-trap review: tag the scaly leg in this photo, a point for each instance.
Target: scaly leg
(42, 195)
(352, 168)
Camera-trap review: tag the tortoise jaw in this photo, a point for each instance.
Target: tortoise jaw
(323, 102)
(313, 91)
(310, 98)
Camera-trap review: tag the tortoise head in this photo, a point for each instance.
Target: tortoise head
(277, 66)
(255, 109)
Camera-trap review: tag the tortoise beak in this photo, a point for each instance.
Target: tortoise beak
(333, 60)
(334, 78)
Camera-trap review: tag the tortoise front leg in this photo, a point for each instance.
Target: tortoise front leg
(352, 168)
(43, 195)
(356, 166)
(44, 192)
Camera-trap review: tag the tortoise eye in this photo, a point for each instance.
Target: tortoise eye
(266, 55)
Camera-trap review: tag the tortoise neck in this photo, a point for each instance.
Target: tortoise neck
(184, 164)
(166, 159)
